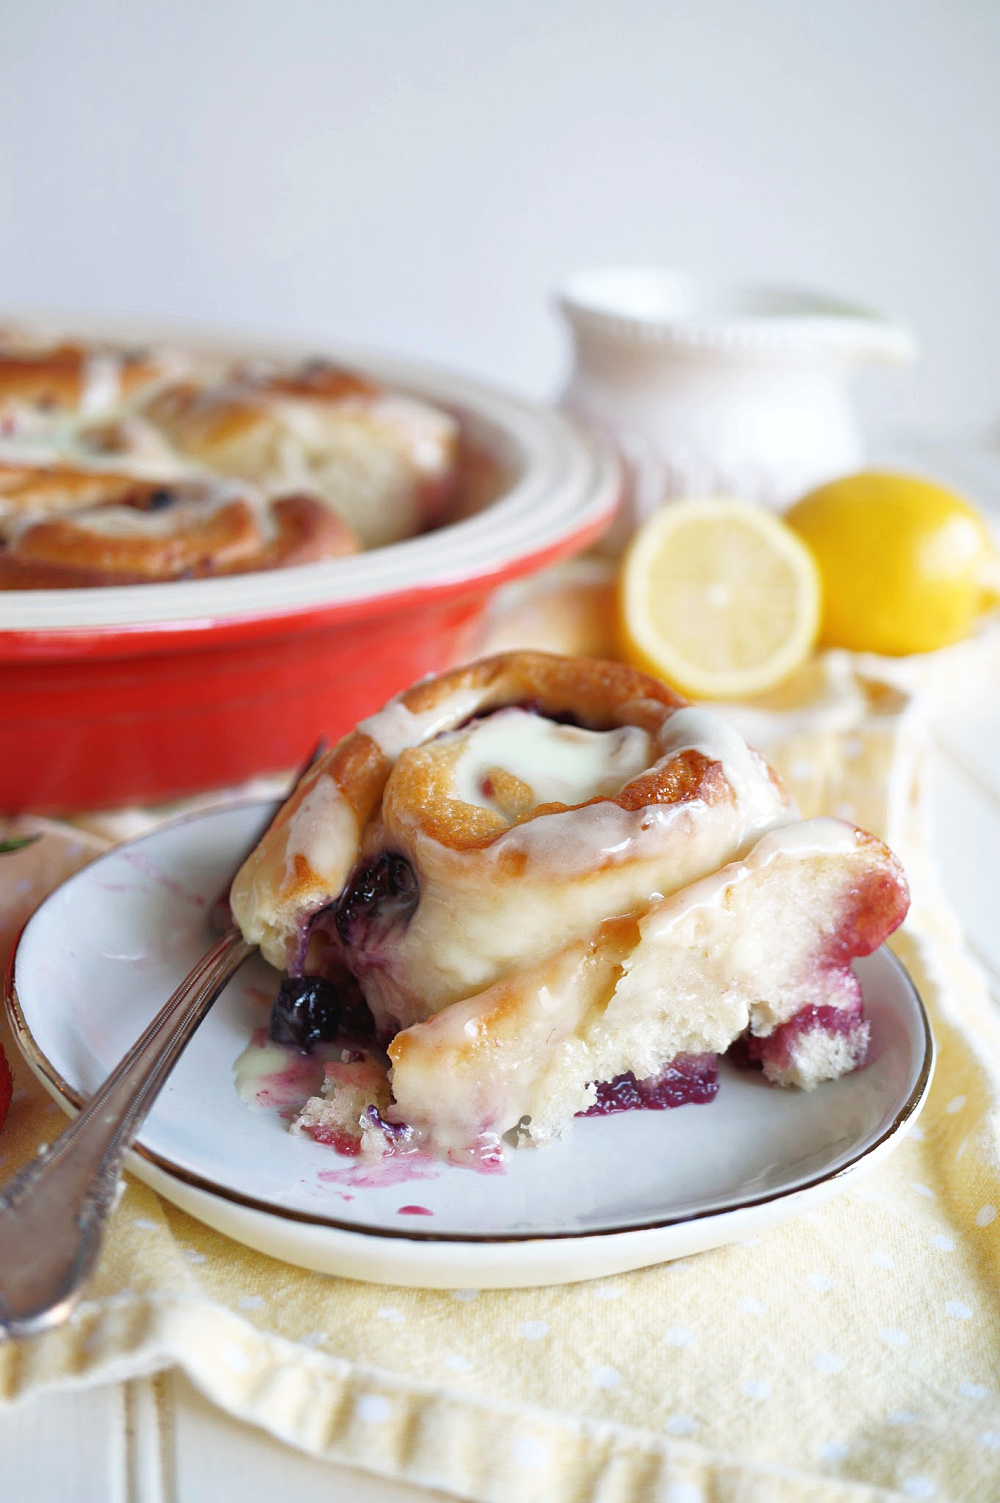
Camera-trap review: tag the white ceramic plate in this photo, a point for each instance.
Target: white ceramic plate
(106, 948)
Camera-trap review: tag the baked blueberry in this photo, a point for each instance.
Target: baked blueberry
(306, 1011)
(381, 894)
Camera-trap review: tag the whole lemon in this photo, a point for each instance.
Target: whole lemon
(903, 562)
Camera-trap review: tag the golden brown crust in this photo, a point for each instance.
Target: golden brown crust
(389, 468)
(306, 532)
(216, 540)
(359, 768)
(381, 470)
(598, 695)
(200, 419)
(602, 695)
(392, 791)
(276, 868)
(56, 378)
(29, 488)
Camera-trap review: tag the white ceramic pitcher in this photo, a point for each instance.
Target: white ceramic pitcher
(719, 389)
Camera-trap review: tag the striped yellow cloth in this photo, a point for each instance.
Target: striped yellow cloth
(852, 1354)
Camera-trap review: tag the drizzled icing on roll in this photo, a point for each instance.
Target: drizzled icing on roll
(531, 796)
(396, 727)
(552, 763)
(546, 877)
(692, 729)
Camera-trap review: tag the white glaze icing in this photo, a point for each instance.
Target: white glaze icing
(196, 501)
(277, 1075)
(395, 728)
(560, 763)
(735, 948)
(427, 432)
(424, 432)
(802, 839)
(694, 729)
(578, 841)
(130, 522)
(583, 839)
(324, 830)
(102, 384)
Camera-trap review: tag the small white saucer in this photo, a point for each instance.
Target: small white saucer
(105, 950)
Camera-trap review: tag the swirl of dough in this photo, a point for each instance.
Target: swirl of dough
(40, 385)
(530, 796)
(64, 526)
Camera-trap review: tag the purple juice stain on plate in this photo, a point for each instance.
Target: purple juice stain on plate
(148, 868)
(272, 1076)
(257, 996)
(414, 1211)
(396, 1169)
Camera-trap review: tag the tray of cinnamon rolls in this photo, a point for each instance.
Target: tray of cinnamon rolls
(212, 551)
(122, 466)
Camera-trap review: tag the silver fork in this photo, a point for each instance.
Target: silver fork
(53, 1213)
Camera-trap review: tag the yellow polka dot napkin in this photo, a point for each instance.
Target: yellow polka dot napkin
(852, 1354)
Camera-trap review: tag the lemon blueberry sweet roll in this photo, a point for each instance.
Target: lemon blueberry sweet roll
(554, 888)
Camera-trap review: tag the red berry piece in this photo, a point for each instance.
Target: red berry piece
(6, 1085)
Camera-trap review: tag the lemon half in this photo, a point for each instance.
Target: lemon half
(719, 598)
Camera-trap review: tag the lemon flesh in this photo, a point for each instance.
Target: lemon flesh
(902, 562)
(718, 597)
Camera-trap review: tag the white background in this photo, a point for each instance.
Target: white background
(419, 174)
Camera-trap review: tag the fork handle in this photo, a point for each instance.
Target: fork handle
(52, 1213)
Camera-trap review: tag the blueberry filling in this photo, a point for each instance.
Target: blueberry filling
(687, 1078)
(382, 894)
(399, 1131)
(530, 707)
(558, 717)
(310, 1010)
(159, 499)
(776, 1051)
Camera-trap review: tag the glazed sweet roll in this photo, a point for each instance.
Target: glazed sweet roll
(557, 889)
(42, 388)
(384, 461)
(67, 526)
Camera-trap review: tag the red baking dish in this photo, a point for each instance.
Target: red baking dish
(142, 694)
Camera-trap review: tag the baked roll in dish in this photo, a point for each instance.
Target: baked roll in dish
(61, 526)
(385, 462)
(43, 387)
(553, 888)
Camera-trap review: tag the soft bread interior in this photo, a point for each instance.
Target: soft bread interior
(749, 947)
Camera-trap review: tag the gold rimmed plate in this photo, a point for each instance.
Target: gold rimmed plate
(101, 954)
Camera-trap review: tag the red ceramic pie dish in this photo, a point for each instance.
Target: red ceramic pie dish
(146, 693)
